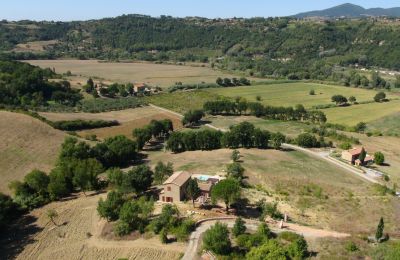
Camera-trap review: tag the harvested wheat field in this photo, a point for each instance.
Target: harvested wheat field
(78, 236)
(129, 119)
(26, 144)
(156, 74)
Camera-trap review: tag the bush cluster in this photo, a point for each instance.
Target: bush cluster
(77, 125)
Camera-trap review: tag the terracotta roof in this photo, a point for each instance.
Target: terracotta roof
(139, 85)
(178, 178)
(205, 186)
(368, 158)
(355, 151)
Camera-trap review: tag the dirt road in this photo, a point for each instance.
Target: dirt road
(308, 232)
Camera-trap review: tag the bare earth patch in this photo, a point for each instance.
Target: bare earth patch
(26, 144)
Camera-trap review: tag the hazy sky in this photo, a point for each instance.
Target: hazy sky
(67, 10)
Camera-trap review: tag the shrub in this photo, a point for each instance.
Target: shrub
(379, 158)
(307, 140)
(269, 250)
(77, 125)
(345, 146)
(121, 228)
(110, 208)
(164, 236)
(239, 227)
(216, 239)
(351, 246)
(380, 96)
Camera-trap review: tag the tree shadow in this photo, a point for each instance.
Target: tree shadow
(17, 236)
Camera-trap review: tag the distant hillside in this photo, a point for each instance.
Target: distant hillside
(279, 47)
(350, 10)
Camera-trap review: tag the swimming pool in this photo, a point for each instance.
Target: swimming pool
(203, 178)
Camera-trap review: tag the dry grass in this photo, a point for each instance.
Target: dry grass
(37, 46)
(390, 147)
(70, 241)
(155, 74)
(26, 144)
(286, 174)
(129, 119)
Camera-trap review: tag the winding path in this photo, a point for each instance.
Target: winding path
(308, 232)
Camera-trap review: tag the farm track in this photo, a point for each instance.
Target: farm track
(194, 241)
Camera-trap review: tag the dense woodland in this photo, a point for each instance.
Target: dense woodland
(27, 85)
(279, 47)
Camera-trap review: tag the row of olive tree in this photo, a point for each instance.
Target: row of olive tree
(243, 135)
(241, 106)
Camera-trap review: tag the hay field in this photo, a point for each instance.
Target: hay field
(361, 113)
(26, 144)
(155, 74)
(80, 236)
(291, 172)
(129, 119)
(290, 94)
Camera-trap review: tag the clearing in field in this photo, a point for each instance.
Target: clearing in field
(154, 74)
(351, 115)
(78, 236)
(312, 188)
(129, 119)
(36, 46)
(27, 144)
(290, 94)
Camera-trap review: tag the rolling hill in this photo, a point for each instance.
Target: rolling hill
(27, 144)
(350, 11)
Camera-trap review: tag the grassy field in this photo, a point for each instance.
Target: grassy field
(129, 119)
(182, 101)
(27, 144)
(290, 94)
(290, 128)
(361, 113)
(155, 74)
(291, 173)
(388, 125)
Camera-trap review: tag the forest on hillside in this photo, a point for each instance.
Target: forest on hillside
(280, 47)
